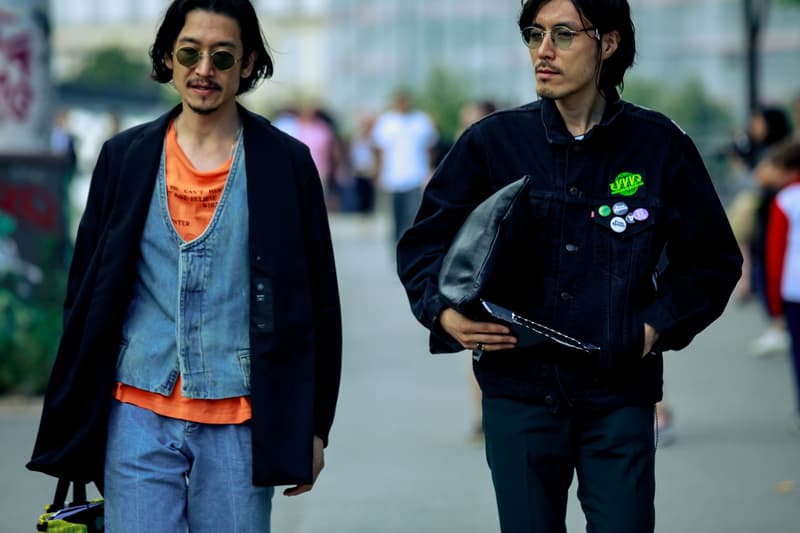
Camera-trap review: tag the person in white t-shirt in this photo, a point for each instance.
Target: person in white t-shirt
(403, 138)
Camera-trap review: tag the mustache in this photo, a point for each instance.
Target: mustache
(203, 83)
(544, 65)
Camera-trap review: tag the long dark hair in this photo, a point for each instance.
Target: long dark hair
(606, 16)
(241, 11)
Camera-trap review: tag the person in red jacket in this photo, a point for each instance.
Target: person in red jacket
(781, 169)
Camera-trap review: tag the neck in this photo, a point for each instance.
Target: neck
(222, 125)
(207, 140)
(581, 116)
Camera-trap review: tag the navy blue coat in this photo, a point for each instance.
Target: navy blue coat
(295, 329)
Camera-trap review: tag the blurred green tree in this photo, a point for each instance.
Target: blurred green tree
(117, 73)
(708, 122)
(442, 97)
(114, 67)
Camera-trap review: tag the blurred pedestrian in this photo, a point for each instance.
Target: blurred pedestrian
(403, 138)
(313, 129)
(62, 144)
(202, 260)
(473, 111)
(363, 161)
(748, 215)
(611, 186)
(781, 168)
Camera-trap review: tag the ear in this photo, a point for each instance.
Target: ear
(168, 60)
(247, 64)
(609, 43)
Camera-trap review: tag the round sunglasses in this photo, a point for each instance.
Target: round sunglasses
(189, 57)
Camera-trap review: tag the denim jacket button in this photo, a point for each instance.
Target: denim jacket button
(566, 296)
(574, 191)
(571, 248)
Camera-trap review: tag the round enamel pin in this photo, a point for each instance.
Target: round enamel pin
(618, 224)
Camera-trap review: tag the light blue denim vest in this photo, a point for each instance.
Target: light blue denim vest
(190, 310)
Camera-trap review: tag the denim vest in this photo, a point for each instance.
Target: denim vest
(190, 310)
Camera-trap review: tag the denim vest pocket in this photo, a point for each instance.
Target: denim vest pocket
(244, 363)
(123, 346)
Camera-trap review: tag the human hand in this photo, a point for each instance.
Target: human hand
(472, 335)
(650, 338)
(319, 464)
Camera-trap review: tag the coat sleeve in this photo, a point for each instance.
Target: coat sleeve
(459, 184)
(703, 259)
(91, 226)
(326, 317)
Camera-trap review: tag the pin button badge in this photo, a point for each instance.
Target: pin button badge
(629, 218)
(620, 209)
(618, 224)
(604, 211)
(641, 214)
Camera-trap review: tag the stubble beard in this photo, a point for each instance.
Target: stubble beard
(546, 92)
(205, 111)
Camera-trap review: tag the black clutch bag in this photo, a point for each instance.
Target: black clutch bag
(485, 245)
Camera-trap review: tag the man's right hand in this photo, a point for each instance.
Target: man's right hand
(472, 335)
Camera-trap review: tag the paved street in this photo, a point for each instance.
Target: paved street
(400, 460)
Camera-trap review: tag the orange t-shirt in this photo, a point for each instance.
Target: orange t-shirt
(192, 198)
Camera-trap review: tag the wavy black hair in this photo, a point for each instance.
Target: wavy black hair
(606, 16)
(241, 11)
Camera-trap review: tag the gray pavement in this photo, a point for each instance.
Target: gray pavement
(400, 460)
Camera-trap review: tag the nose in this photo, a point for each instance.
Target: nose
(205, 65)
(547, 48)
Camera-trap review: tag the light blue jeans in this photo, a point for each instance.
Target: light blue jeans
(168, 475)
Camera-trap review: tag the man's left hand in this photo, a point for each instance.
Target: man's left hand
(650, 338)
(319, 464)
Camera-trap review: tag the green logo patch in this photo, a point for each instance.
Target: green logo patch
(626, 184)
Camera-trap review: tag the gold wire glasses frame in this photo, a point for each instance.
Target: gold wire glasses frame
(561, 36)
(189, 57)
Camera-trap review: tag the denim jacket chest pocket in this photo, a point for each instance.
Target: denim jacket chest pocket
(625, 237)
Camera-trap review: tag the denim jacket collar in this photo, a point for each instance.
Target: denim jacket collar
(555, 129)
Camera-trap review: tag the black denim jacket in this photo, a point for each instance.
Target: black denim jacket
(625, 227)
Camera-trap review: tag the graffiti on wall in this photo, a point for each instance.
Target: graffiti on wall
(32, 228)
(31, 203)
(16, 53)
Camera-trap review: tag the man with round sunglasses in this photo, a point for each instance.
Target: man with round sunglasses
(620, 242)
(200, 359)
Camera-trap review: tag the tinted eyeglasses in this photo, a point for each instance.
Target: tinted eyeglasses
(189, 57)
(561, 36)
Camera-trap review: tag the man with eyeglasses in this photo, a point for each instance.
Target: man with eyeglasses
(200, 360)
(627, 248)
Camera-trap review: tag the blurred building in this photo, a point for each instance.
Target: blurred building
(350, 54)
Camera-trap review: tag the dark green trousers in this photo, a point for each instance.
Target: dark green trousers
(533, 451)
